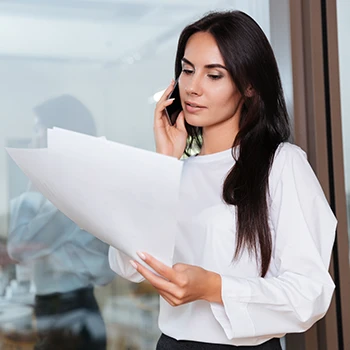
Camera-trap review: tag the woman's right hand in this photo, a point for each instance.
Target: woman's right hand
(170, 139)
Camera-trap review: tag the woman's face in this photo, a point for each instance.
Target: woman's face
(209, 97)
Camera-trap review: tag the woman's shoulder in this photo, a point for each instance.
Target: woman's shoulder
(287, 149)
(288, 153)
(288, 159)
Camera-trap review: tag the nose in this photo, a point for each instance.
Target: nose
(193, 86)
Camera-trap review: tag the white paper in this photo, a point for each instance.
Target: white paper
(125, 196)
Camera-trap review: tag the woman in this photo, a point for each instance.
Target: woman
(255, 230)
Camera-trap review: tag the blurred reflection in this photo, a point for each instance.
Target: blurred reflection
(64, 261)
(5, 259)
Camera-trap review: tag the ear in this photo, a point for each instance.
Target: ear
(249, 92)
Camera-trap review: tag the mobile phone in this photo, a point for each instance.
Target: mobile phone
(175, 108)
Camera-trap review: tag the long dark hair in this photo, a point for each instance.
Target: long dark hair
(264, 123)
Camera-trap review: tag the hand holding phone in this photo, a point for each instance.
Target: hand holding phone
(172, 111)
(169, 127)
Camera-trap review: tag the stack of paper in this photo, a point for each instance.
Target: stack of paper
(125, 196)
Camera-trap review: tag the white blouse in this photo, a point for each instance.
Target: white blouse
(297, 289)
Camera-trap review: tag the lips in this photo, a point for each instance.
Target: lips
(192, 107)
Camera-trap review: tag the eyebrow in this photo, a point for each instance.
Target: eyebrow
(213, 65)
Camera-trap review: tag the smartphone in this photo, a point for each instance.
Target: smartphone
(175, 108)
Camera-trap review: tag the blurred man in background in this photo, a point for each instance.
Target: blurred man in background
(66, 262)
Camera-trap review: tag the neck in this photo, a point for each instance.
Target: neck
(218, 138)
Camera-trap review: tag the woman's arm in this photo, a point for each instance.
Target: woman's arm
(298, 289)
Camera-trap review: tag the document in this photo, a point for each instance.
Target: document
(125, 196)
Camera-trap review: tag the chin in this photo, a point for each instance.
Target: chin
(194, 120)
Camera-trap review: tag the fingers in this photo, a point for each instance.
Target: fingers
(173, 301)
(157, 281)
(163, 102)
(180, 122)
(174, 293)
(159, 111)
(167, 299)
(163, 270)
(170, 292)
(167, 92)
(167, 103)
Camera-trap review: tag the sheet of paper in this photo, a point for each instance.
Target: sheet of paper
(125, 196)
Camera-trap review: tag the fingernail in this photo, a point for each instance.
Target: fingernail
(141, 255)
(133, 264)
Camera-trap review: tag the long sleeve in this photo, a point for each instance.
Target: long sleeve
(298, 288)
(120, 264)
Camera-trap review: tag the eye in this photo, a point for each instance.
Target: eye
(187, 71)
(214, 76)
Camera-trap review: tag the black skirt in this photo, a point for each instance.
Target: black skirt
(167, 343)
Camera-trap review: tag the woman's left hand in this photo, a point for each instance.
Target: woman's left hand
(181, 283)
